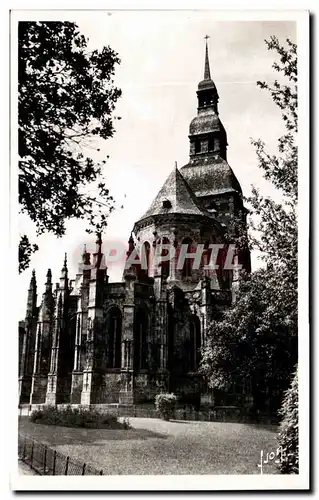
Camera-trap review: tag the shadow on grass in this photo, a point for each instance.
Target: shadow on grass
(56, 435)
(189, 422)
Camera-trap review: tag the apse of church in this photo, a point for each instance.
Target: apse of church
(95, 342)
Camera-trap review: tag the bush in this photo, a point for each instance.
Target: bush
(165, 405)
(36, 415)
(289, 435)
(77, 417)
(126, 423)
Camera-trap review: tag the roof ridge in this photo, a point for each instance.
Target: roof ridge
(189, 189)
(178, 193)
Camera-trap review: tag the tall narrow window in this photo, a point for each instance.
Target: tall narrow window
(141, 326)
(171, 340)
(145, 258)
(197, 146)
(188, 262)
(201, 101)
(193, 344)
(165, 255)
(114, 338)
(222, 273)
(205, 261)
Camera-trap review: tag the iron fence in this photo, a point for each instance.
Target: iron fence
(47, 461)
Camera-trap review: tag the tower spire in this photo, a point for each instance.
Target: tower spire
(207, 69)
(33, 281)
(48, 283)
(32, 296)
(85, 256)
(98, 252)
(64, 273)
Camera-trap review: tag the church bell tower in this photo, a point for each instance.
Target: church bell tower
(208, 173)
(206, 133)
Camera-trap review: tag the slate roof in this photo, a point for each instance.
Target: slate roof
(210, 175)
(207, 84)
(206, 123)
(176, 190)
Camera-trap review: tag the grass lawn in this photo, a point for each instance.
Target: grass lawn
(154, 446)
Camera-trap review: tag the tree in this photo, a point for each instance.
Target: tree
(66, 100)
(289, 430)
(255, 341)
(277, 224)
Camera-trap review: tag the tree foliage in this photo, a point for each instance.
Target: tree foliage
(255, 341)
(66, 101)
(277, 225)
(289, 430)
(25, 252)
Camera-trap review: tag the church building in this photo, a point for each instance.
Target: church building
(91, 341)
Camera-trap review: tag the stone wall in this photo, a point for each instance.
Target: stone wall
(39, 389)
(77, 385)
(108, 391)
(146, 386)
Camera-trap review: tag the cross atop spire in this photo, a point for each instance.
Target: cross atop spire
(207, 70)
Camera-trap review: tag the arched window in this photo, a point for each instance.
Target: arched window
(141, 327)
(193, 344)
(171, 340)
(188, 262)
(223, 275)
(145, 258)
(114, 334)
(206, 258)
(164, 253)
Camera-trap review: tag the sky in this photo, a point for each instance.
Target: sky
(162, 61)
